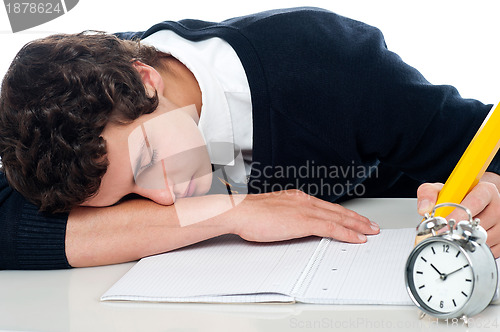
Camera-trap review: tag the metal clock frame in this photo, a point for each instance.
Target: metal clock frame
(479, 257)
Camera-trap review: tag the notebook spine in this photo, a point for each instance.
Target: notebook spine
(305, 278)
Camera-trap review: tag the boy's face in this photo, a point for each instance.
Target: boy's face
(161, 156)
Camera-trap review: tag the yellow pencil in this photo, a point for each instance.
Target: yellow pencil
(472, 165)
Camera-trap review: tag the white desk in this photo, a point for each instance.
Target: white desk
(68, 300)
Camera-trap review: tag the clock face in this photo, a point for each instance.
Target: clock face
(442, 278)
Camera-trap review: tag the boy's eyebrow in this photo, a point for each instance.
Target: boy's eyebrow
(146, 145)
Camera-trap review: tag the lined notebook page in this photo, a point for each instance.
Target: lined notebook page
(226, 266)
(311, 270)
(371, 273)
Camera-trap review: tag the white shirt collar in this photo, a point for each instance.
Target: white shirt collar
(215, 120)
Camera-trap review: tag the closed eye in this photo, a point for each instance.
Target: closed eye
(152, 161)
(142, 163)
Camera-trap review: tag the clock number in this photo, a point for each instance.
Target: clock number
(446, 247)
(441, 304)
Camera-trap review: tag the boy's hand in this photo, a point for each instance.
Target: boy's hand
(483, 201)
(289, 214)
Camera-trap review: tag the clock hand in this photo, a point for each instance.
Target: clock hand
(440, 274)
(444, 276)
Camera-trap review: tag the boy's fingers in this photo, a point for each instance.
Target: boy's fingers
(327, 219)
(476, 201)
(341, 233)
(347, 218)
(494, 237)
(339, 209)
(427, 195)
(343, 227)
(495, 250)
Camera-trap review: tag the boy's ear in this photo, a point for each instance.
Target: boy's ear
(150, 77)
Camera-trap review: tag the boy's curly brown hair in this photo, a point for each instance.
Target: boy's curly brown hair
(55, 100)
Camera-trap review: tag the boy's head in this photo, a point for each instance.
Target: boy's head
(56, 99)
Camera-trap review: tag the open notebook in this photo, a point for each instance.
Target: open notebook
(310, 270)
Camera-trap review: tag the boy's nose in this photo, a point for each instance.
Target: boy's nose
(165, 196)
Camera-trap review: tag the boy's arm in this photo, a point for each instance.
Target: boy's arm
(131, 230)
(138, 228)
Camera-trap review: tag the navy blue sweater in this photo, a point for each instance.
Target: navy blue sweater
(332, 108)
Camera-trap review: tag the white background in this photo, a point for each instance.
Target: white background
(450, 41)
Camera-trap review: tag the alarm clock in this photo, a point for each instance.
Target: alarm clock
(451, 274)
